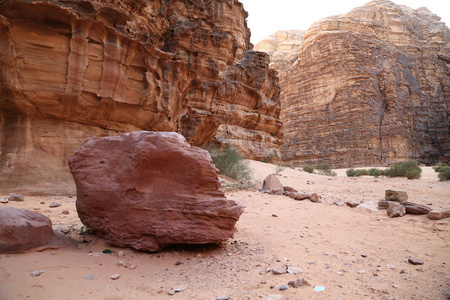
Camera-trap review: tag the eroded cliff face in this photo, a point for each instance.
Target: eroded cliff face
(370, 87)
(70, 70)
(282, 46)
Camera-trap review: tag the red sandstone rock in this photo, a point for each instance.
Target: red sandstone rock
(149, 190)
(416, 209)
(396, 210)
(272, 185)
(438, 215)
(395, 195)
(22, 230)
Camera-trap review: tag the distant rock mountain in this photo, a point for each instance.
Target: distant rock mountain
(70, 70)
(369, 87)
(282, 46)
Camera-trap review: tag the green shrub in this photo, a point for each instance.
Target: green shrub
(375, 172)
(351, 173)
(409, 169)
(440, 166)
(362, 172)
(444, 174)
(325, 169)
(413, 173)
(230, 163)
(309, 169)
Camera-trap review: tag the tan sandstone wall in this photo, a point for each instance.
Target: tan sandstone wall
(370, 87)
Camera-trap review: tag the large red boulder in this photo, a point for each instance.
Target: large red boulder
(22, 230)
(149, 190)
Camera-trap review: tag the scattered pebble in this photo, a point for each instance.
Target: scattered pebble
(361, 271)
(16, 197)
(120, 253)
(402, 271)
(297, 283)
(132, 267)
(122, 264)
(115, 276)
(263, 282)
(90, 277)
(415, 261)
(364, 255)
(36, 273)
(279, 271)
(176, 289)
(223, 297)
(64, 230)
(4, 200)
(42, 202)
(275, 215)
(283, 287)
(65, 212)
(390, 266)
(55, 204)
(273, 297)
(295, 270)
(319, 289)
(396, 286)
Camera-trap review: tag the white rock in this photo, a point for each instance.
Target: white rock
(115, 276)
(295, 270)
(36, 273)
(368, 205)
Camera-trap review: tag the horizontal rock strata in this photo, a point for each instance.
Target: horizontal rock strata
(369, 87)
(70, 70)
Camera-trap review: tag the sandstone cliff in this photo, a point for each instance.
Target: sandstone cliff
(282, 46)
(71, 69)
(370, 87)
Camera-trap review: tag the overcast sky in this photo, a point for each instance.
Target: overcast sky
(268, 16)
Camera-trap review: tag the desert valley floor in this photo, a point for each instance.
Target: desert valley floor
(352, 252)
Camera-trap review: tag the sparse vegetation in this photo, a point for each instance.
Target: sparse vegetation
(273, 158)
(440, 166)
(230, 163)
(351, 173)
(325, 169)
(279, 168)
(408, 169)
(308, 169)
(444, 174)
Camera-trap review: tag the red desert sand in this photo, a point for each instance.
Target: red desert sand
(352, 253)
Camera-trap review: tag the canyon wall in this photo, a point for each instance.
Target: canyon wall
(370, 87)
(70, 70)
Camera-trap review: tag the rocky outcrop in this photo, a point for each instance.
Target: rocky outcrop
(282, 46)
(70, 70)
(149, 190)
(369, 87)
(23, 230)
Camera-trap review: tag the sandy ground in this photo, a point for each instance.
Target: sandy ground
(351, 252)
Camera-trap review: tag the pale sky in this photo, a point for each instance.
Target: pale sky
(268, 16)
